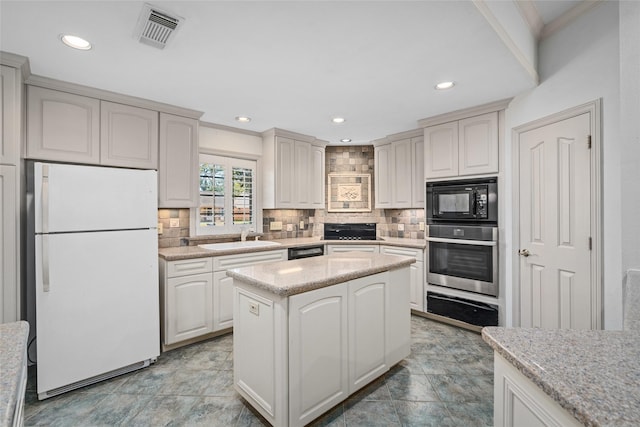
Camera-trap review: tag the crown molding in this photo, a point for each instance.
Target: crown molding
(105, 95)
(465, 113)
(16, 61)
(567, 17)
(530, 69)
(230, 129)
(529, 12)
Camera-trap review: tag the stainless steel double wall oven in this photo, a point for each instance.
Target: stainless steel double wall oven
(462, 246)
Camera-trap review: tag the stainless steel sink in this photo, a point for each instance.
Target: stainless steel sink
(238, 245)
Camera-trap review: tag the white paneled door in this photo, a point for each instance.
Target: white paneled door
(555, 225)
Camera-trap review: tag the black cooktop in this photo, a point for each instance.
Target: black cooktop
(353, 231)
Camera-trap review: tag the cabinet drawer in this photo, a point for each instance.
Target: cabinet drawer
(418, 254)
(227, 262)
(189, 266)
(340, 248)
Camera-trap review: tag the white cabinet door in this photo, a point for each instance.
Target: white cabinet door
(441, 150)
(302, 168)
(318, 352)
(317, 180)
(478, 145)
(222, 301)
(9, 287)
(178, 165)
(401, 176)
(398, 316)
(10, 120)
(416, 269)
(62, 126)
(367, 325)
(188, 307)
(128, 136)
(285, 173)
(418, 184)
(383, 156)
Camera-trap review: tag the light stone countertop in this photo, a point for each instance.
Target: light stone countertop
(594, 375)
(188, 252)
(286, 278)
(13, 354)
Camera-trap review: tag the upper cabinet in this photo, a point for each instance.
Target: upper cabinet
(463, 142)
(464, 147)
(10, 99)
(62, 126)
(128, 136)
(399, 171)
(293, 171)
(178, 166)
(67, 127)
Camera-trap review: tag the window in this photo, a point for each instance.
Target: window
(227, 195)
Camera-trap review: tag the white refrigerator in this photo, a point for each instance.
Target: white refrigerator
(94, 273)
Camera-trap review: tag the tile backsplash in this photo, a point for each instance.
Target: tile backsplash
(402, 223)
(171, 236)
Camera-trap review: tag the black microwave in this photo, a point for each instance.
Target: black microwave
(465, 201)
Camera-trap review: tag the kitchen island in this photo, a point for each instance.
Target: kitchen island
(310, 332)
(565, 377)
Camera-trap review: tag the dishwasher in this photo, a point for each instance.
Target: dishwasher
(305, 252)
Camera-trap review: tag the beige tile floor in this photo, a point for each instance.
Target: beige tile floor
(446, 381)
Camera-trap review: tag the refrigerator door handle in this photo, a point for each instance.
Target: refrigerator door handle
(45, 264)
(45, 198)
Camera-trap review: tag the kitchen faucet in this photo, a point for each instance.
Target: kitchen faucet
(244, 231)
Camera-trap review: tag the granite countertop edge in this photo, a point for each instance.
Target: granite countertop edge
(189, 252)
(13, 345)
(558, 389)
(534, 375)
(321, 283)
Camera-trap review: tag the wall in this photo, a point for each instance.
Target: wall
(630, 132)
(220, 138)
(578, 64)
(173, 236)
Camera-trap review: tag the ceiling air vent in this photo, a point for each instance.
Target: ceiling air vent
(156, 27)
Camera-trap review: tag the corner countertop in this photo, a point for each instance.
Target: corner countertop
(286, 278)
(188, 252)
(13, 360)
(593, 374)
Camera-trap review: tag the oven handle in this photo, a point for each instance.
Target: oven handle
(463, 242)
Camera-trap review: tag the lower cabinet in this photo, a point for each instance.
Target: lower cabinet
(196, 295)
(189, 307)
(417, 273)
(297, 357)
(518, 401)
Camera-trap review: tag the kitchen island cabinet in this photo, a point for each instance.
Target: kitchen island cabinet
(308, 333)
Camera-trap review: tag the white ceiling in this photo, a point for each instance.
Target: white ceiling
(292, 65)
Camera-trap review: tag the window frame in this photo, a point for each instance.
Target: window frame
(230, 160)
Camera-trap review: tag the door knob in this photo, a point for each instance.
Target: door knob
(524, 252)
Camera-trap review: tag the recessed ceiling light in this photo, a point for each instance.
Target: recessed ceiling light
(445, 85)
(338, 120)
(243, 119)
(345, 140)
(75, 42)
